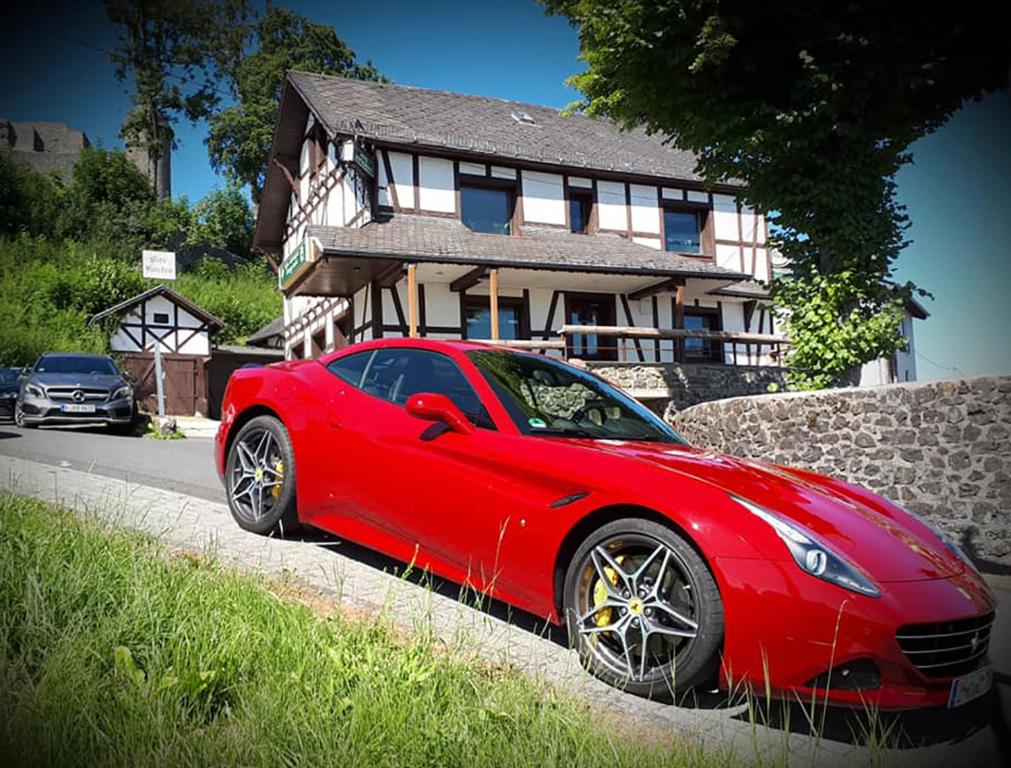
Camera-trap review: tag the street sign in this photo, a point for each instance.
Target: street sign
(159, 265)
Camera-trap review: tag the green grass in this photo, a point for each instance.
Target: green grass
(115, 653)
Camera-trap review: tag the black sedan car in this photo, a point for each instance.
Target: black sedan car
(8, 392)
(73, 389)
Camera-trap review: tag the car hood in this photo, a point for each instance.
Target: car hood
(887, 543)
(106, 380)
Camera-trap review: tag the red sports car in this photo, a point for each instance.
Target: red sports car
(550, 489)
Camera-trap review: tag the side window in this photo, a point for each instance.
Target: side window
(396, 374)
(351, 367)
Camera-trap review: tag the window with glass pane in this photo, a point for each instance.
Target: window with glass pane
(484, 209)
(702, 349)
(477, 310)
(580, 206)
(681, 231)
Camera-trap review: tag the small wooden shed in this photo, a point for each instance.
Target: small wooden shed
(185, 334)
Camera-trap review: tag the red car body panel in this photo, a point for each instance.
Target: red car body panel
(477, 509)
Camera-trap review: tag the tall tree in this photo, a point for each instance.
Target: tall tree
(812, 105)
(254, 63)
(161, 53)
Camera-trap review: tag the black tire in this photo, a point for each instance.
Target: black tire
(248, 493)
(19, 418)
(643, 609)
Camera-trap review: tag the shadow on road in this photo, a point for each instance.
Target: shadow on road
(891, 730)
(5, 435)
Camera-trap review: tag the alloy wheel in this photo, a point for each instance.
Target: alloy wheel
(257, 475)
(636, 607)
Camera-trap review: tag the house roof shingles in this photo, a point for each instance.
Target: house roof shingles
(444, 240)
(484, 125)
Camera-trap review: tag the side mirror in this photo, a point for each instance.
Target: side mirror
(433, 407)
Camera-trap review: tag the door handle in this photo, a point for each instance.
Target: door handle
(332, 420)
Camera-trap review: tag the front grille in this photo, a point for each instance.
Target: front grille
(66, 394)
(947, 648)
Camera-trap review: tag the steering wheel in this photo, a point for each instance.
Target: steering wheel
(581, 413)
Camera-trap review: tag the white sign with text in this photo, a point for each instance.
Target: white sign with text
(160, 265)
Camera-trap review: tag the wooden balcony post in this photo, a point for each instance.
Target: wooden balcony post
(493, 293)
(679, 323)
(412, 300)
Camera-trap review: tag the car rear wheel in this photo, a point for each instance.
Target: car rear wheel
(643, 609)
(260, 477)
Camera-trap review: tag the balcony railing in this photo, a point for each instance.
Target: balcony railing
(626, 338)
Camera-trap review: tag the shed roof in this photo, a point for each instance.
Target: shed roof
(168, 293)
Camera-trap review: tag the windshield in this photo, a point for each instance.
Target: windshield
(545, 397)
(83, 365)
(9, 375)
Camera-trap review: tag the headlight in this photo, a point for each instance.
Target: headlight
(122, 392)
(34, 391)
(956, 550)
(812, 555)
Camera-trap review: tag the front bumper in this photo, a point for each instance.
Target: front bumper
(38, 411)
(7, 408)
(785, 628)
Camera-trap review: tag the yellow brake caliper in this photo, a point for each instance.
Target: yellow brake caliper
(279, 468)
(603, 617)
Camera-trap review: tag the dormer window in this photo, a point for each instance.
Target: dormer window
(682, 231)
(487, 208)
(580, 208)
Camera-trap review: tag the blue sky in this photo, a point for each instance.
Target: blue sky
(958, 190)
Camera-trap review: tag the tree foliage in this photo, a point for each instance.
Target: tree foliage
(812, 105)
(225, 219)
(162, 53)
(254, 62)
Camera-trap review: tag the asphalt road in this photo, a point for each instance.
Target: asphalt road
(183, 466)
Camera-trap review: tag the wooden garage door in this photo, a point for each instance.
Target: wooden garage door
(184, 382)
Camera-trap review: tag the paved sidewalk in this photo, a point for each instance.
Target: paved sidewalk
(350, 575)
(196, 426)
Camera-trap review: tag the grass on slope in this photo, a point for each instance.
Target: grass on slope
(113, 653)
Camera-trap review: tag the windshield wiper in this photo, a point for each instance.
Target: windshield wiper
(551, 432)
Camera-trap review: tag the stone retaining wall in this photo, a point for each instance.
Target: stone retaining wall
(942, 448)
(687, 384)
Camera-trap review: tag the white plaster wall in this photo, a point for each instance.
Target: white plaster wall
(652, 242)
(543, 198)
(611, 205)
(725, 217)
(402, 166)
(728, 256)
(442, 306)
(645, 210)
(477, 169)
(435, 184)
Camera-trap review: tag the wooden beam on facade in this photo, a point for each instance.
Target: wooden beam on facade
(493, 302)
(288, 176)
(390, 277)
(669, 284)
(679, 322)
(469, 280)
(412, 300)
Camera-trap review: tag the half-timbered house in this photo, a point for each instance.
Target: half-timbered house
(400, 211)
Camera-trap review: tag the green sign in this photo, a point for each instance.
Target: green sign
(293, 265)
(365, 160)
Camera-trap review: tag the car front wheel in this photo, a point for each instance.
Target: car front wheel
(19, 417)
(643, 610)
(260, 477)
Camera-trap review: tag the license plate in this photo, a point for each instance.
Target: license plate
(77, 408)
(969, 687)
